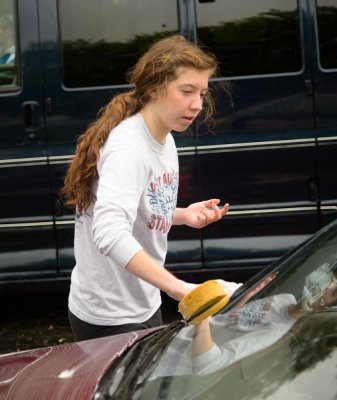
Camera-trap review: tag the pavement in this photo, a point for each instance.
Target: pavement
(38, 320)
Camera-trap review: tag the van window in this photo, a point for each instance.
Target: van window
(8, 46)
(105, 38)
(251, 37)
(327, 33)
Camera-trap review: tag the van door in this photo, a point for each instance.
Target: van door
(324, 60)
(261, 157)
(87, 48)
(27, 247)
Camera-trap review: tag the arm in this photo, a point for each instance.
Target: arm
(256, 289)
(202, 339)
(144, 267)
(201, 214)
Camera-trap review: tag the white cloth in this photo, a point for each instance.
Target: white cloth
(136, 199)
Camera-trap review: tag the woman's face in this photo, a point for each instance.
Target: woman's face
(176, 106)
(327, 299)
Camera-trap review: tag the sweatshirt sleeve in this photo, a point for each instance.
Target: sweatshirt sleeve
(210, 361)
(122, 179)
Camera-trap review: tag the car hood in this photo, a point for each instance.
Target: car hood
(69, 371)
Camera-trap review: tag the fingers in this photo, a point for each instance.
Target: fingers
(225, 209)
(219, 212)
(209, 216)
(202, 219)
(209, 212)
(211, 202)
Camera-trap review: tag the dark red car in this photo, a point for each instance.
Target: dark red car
(274, 341)
(70, 371)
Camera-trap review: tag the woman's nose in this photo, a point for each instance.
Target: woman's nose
(197, 103)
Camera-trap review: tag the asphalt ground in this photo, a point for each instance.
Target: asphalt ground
(30, 321)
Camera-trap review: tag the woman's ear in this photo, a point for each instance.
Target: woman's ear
(154, 94)
(157, 92)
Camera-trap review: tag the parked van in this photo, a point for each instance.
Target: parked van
(271, 154)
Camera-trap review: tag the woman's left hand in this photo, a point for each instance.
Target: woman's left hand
(198, 215)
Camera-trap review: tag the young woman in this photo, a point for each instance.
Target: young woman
(124, 183)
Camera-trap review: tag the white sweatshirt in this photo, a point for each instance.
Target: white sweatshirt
(136, 197)
(237, 334)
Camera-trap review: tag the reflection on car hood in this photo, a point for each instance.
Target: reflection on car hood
(69, 371)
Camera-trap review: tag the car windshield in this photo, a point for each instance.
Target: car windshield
(277, 338)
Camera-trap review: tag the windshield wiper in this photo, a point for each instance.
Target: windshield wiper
(121, 382)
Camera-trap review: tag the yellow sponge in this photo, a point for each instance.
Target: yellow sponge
(203, 301)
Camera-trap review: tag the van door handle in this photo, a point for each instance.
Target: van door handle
(308, 87)
(31, 120)
(313, 190)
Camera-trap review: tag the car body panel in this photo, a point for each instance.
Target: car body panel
(70, 371)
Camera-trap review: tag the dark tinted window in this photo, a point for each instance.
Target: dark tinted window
(251, 37)
(102, 39)
(8, 45)
(327, 32)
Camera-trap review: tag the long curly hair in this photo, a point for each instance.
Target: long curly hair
(155, 69)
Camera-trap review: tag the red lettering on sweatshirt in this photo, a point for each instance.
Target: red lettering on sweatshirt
(159, 223)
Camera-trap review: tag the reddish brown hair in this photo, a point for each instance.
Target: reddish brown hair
(156, 68)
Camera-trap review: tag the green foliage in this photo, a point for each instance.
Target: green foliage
(100, 63)
(263, 44)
